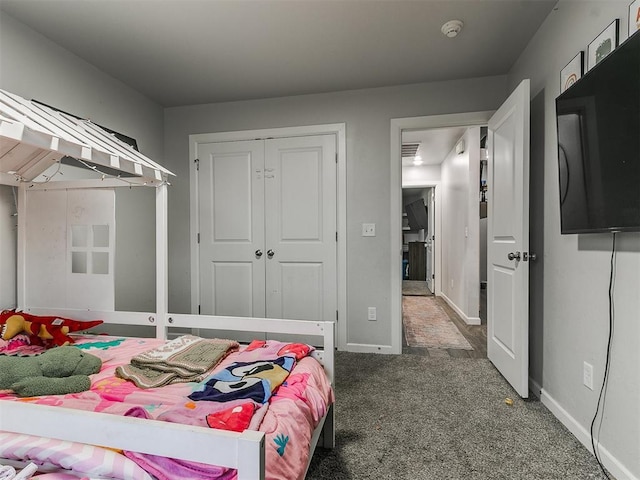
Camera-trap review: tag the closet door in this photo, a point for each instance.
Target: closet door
(231, 217)
(267, 216)
(300, 212)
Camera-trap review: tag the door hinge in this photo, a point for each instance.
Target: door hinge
(336, 236)
(198, 309)
(197, 162)
(433, 276)
(336, 157)
(336, 315)
(198, 238)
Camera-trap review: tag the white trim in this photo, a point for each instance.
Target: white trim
(339, 130)
(370, 348)
(397, 126)
(535, 387)
(194, 228)
(615, 467)
(461, 314)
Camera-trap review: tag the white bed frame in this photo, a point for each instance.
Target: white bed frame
(243, 451)
(50, 136)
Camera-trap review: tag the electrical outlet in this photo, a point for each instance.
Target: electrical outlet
(368, 229)
(372, 314)
(587, 375)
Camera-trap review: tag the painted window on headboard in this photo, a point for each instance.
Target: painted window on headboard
(70, 249)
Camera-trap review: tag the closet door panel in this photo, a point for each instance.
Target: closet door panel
(231, 221)
(300, 212)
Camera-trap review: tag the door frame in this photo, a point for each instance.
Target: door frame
(437, 226)
(469, 119)
(337, 129)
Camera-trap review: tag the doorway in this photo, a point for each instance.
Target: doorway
(398, 180)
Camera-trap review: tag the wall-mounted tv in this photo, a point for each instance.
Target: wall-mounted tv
(598, 122)
(417, 214)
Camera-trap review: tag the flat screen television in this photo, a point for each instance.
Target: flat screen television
(417, 214)
(598, 124)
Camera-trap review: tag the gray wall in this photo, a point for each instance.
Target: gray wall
(367, 114)
(576, 267)
(33, 67)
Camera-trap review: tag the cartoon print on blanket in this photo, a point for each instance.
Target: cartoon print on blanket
(251, 380)
(255, 373)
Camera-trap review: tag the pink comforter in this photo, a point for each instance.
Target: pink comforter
(301, 401)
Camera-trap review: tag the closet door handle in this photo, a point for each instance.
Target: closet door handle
(258, 253)
(270, 253)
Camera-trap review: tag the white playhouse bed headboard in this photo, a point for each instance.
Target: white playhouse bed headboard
(33, 141)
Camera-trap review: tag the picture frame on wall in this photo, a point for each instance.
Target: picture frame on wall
(572, 72)
(603, 44)
(634, 17)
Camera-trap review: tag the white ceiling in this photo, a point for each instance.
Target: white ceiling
(183, 52)
(435, 144)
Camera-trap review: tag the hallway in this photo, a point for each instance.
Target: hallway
(476, 335)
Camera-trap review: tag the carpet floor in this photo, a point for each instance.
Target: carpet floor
(419, 418)
(426, 324)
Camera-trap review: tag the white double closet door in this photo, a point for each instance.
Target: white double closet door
(267, 222)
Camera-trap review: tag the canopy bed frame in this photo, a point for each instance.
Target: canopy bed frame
(33, 140)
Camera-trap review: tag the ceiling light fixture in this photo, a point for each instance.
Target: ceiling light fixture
(417, 160)
(452, 28)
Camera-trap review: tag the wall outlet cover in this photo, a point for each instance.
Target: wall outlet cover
(368, 229)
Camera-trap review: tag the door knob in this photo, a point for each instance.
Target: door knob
(514, 256)
(258, 253)
(270, 253)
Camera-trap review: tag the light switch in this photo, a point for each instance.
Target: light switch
(368, 229)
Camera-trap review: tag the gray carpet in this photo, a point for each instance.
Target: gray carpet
(419, 418)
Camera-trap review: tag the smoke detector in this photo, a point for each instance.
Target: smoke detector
(452, 28)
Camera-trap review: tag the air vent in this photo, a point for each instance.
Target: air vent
(410, 149)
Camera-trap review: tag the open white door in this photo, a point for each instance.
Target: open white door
(508, 240)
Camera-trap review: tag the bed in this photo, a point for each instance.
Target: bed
(33, 139)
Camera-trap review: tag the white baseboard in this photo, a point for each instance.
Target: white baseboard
(535, 387)
(461, 314)
(369, 348)
(617, 469)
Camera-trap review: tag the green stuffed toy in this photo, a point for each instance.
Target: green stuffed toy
(57, 371)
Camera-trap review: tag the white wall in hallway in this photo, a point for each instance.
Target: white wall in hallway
(461, 228)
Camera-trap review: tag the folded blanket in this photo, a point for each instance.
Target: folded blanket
(185, 359)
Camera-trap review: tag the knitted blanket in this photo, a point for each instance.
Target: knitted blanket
(184, 359)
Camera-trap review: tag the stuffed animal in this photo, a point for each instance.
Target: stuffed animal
(52, 329)
(57, 371)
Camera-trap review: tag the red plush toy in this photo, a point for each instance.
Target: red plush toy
(53, 329)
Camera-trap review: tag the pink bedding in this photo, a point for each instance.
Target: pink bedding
(302, 399)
